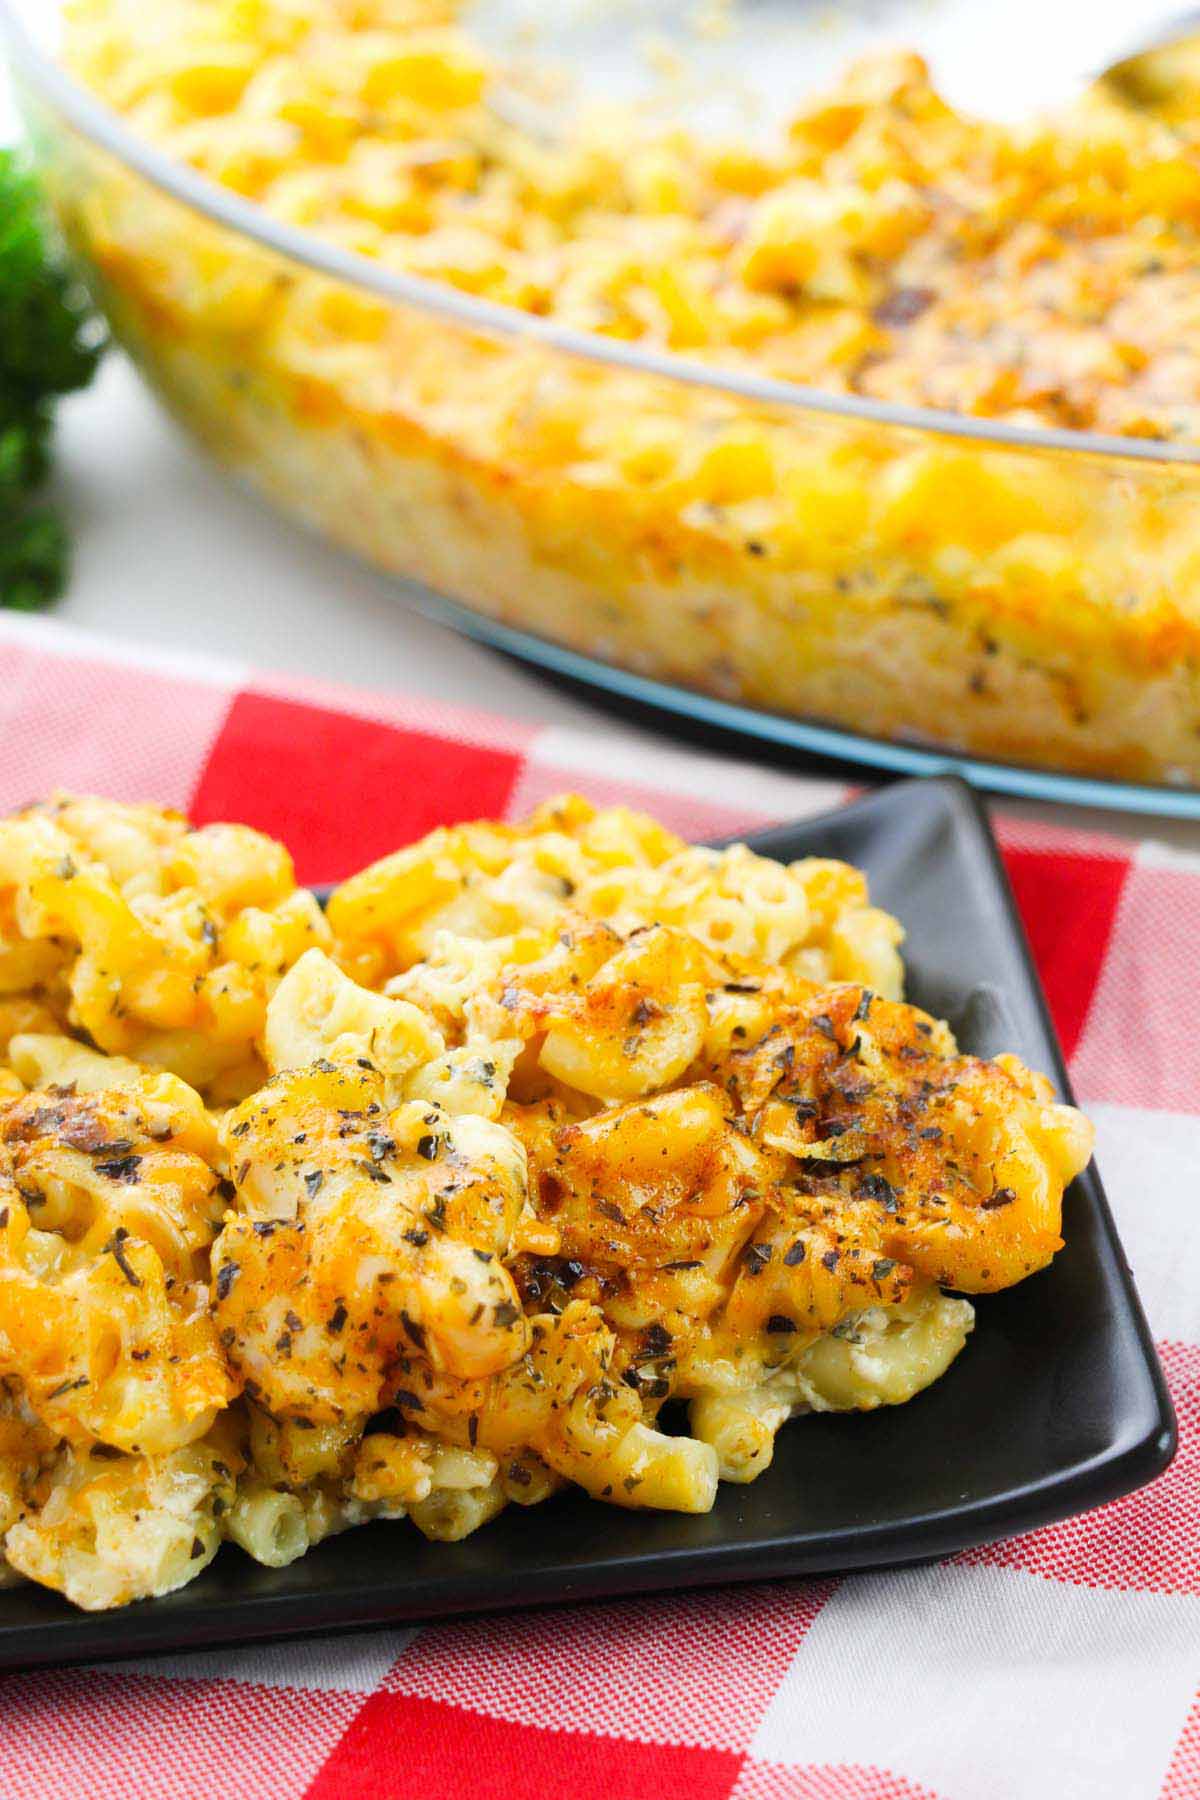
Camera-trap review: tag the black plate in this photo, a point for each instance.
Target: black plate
(1056, 1405)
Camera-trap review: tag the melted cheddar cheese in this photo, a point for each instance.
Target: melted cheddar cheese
(567, 1120)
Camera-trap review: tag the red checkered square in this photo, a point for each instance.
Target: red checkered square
(826, 1781)
(78, 1735)
(341, 790)
(1068, 903)
(97, 726)
(1140, 1044)
(400, 1745)
(642, 1669)
(405, 711)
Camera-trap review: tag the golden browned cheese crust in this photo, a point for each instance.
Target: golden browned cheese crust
(883, 244)
(110, 1204)
(582, 1120)
(1035, 606)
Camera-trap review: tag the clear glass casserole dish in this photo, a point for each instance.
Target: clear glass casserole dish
(882, 581)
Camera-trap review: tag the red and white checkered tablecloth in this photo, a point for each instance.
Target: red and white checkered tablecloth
(1060, 1666)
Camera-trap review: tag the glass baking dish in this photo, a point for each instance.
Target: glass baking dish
(896, 586)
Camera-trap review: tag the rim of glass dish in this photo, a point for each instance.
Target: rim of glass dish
(782, 731)
(102, 126)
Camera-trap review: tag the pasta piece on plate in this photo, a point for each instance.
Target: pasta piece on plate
(108, 1206)
(117, 1528)
(156, 941)
(491, 881)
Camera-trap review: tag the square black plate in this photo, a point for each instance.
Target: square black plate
(1056, 1405)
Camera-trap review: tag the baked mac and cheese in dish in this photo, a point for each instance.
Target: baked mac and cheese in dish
(1036, 604)
(561, 1154)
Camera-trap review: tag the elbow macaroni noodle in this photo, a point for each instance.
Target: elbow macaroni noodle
(539, 1128)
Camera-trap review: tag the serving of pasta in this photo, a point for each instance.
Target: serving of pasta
(552, 1155)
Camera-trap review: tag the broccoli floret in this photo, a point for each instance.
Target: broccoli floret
(50, 342)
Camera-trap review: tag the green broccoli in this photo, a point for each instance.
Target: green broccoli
(50, 342)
